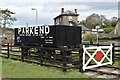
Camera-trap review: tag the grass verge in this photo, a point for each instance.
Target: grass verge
(17, 69)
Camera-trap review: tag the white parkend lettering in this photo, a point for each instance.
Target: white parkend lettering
(34, 31)
(27, 30)
(47, 30)
(41, 30)
(31, 30)
(23, 31)
(19, 30)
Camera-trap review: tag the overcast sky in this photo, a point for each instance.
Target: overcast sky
(48, 9)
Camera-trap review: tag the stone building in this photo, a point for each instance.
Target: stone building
(67, 18)
(116, 31)
(70, 18)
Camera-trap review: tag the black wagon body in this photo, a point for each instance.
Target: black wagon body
(53, 36)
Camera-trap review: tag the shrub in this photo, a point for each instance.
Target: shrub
(89, 37)
(108, 30)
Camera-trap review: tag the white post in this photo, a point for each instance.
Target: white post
(36, 15)
(97, 27)
(97, 36)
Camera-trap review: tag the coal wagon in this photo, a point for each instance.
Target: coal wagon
(54, 36)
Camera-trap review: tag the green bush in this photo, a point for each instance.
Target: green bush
(89, 37)
(108, 30)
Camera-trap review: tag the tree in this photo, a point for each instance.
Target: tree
(107, 23)
(6, 18)
(94, 20)
(83, 22)
(114, 21)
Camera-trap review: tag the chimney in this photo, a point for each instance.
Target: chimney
(76, 11)
(62, 10)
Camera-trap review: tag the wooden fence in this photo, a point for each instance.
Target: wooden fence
(64, 58)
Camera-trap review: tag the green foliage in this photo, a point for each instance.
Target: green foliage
(114, 21)
(95, 19)
(108, 30)
(83, 22)
(106, 23)
(89, 37)
(6, 18)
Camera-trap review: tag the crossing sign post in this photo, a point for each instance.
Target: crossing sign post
(95, 31)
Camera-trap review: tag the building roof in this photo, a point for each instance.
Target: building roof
(117, 28)
(67, 13)
(84, 28)
(116, 31)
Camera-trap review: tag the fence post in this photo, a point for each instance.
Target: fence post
(11, 47)
(8, 50)
(49, 54)
(113, 50)
(64, 59)
(54, 56)
(22, 52)
(41, 56)
(81, 58)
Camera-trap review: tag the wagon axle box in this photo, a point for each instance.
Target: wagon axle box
(48, 36)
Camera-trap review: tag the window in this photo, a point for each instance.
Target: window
(70, 18)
